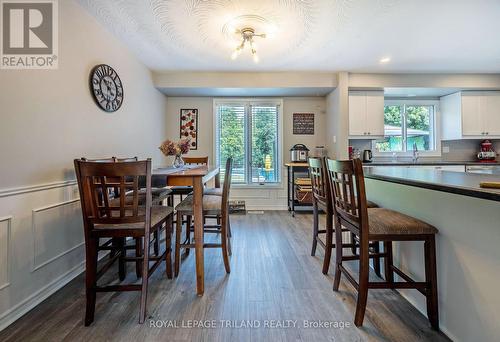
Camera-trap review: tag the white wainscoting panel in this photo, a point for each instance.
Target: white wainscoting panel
(5, 247)
(57, 231)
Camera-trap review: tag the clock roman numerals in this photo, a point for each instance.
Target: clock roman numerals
(106, 87)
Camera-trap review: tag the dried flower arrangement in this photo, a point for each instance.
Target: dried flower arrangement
(171, 148)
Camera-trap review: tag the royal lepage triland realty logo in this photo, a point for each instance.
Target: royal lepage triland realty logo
(29, 34)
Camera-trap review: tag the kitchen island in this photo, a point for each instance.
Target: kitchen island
(468, 243)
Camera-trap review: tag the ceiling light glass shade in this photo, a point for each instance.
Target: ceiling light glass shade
(247, 36)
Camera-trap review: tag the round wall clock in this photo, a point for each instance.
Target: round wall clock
(107, 88)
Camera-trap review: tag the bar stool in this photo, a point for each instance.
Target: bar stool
(186, 190)
(322, 201)
(377, 224)
(103, 218)
(212, 205)
(159, 194)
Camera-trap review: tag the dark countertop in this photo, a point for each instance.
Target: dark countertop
(460, 183)
(427, 163)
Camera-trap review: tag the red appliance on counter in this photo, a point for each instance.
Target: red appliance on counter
(487, 154)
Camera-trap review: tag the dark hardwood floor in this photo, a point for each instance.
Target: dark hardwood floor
(273, 278)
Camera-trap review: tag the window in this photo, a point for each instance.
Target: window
(407, 123)
(249, 132)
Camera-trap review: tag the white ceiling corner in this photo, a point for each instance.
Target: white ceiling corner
(319, 35)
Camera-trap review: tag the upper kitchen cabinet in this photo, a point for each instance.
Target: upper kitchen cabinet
(470, 115)
(366, 114)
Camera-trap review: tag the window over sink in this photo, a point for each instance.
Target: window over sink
(406, 123)
(249, 130)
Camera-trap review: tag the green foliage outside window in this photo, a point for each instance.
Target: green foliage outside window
(418, 128)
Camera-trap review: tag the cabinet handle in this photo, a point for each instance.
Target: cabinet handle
(369, 133)
(487, 133)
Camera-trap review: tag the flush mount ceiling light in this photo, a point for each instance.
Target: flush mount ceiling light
(247, 36)
(385, 60)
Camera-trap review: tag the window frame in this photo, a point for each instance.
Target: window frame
(248, 102)
(435, 124)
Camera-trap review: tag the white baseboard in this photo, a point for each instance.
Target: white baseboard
(13, 314)
(266, 207)
(19, 310)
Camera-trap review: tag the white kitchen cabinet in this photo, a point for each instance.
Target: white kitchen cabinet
(472, 122)
(490, 108)
(366, 114)
(357, 114)
(471, 115)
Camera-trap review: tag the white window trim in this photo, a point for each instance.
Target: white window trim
(250, 101)
(437, 130)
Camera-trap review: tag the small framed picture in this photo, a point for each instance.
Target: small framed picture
(303, 123)
(189, 126)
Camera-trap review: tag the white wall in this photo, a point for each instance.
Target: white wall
(48, 118)
(337, 131)
(255, 198)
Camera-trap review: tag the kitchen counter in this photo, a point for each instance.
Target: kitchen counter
(427, 163)
(461, 183)
(467, 245)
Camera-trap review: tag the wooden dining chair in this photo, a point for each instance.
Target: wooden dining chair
(322, 201)
(346, 181)
(159, 194)
(195, 160)
(186, 190)
(212, 205)
(182, 191)
(105, 218)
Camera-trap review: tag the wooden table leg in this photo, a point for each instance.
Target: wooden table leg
(198, 234)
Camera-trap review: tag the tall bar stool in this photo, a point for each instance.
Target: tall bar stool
(159, 194)
(103, 218)
(212, 205)
(322, 201)
(377, 224)
(182, 191)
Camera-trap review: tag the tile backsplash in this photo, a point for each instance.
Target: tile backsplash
(459, 150)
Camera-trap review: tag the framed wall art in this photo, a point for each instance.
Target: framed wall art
(189, 126)
(303, 123)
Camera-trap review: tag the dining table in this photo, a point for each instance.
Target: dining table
(196, 176)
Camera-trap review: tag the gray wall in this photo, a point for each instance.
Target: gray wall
(48, 118)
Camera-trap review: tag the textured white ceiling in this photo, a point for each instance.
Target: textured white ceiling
(330, 35)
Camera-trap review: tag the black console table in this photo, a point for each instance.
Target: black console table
(296, 169)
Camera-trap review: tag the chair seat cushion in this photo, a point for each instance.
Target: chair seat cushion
(213, 191)
(385, 221)
(157, 194)
(158, 214)
(211, 205)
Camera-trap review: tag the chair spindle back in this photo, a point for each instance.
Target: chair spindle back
(319, 182)
(347, 191)
(96, 178)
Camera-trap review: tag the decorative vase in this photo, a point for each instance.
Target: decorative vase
(178, 162)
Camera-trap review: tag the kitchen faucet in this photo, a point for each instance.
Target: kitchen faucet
(415, 152)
